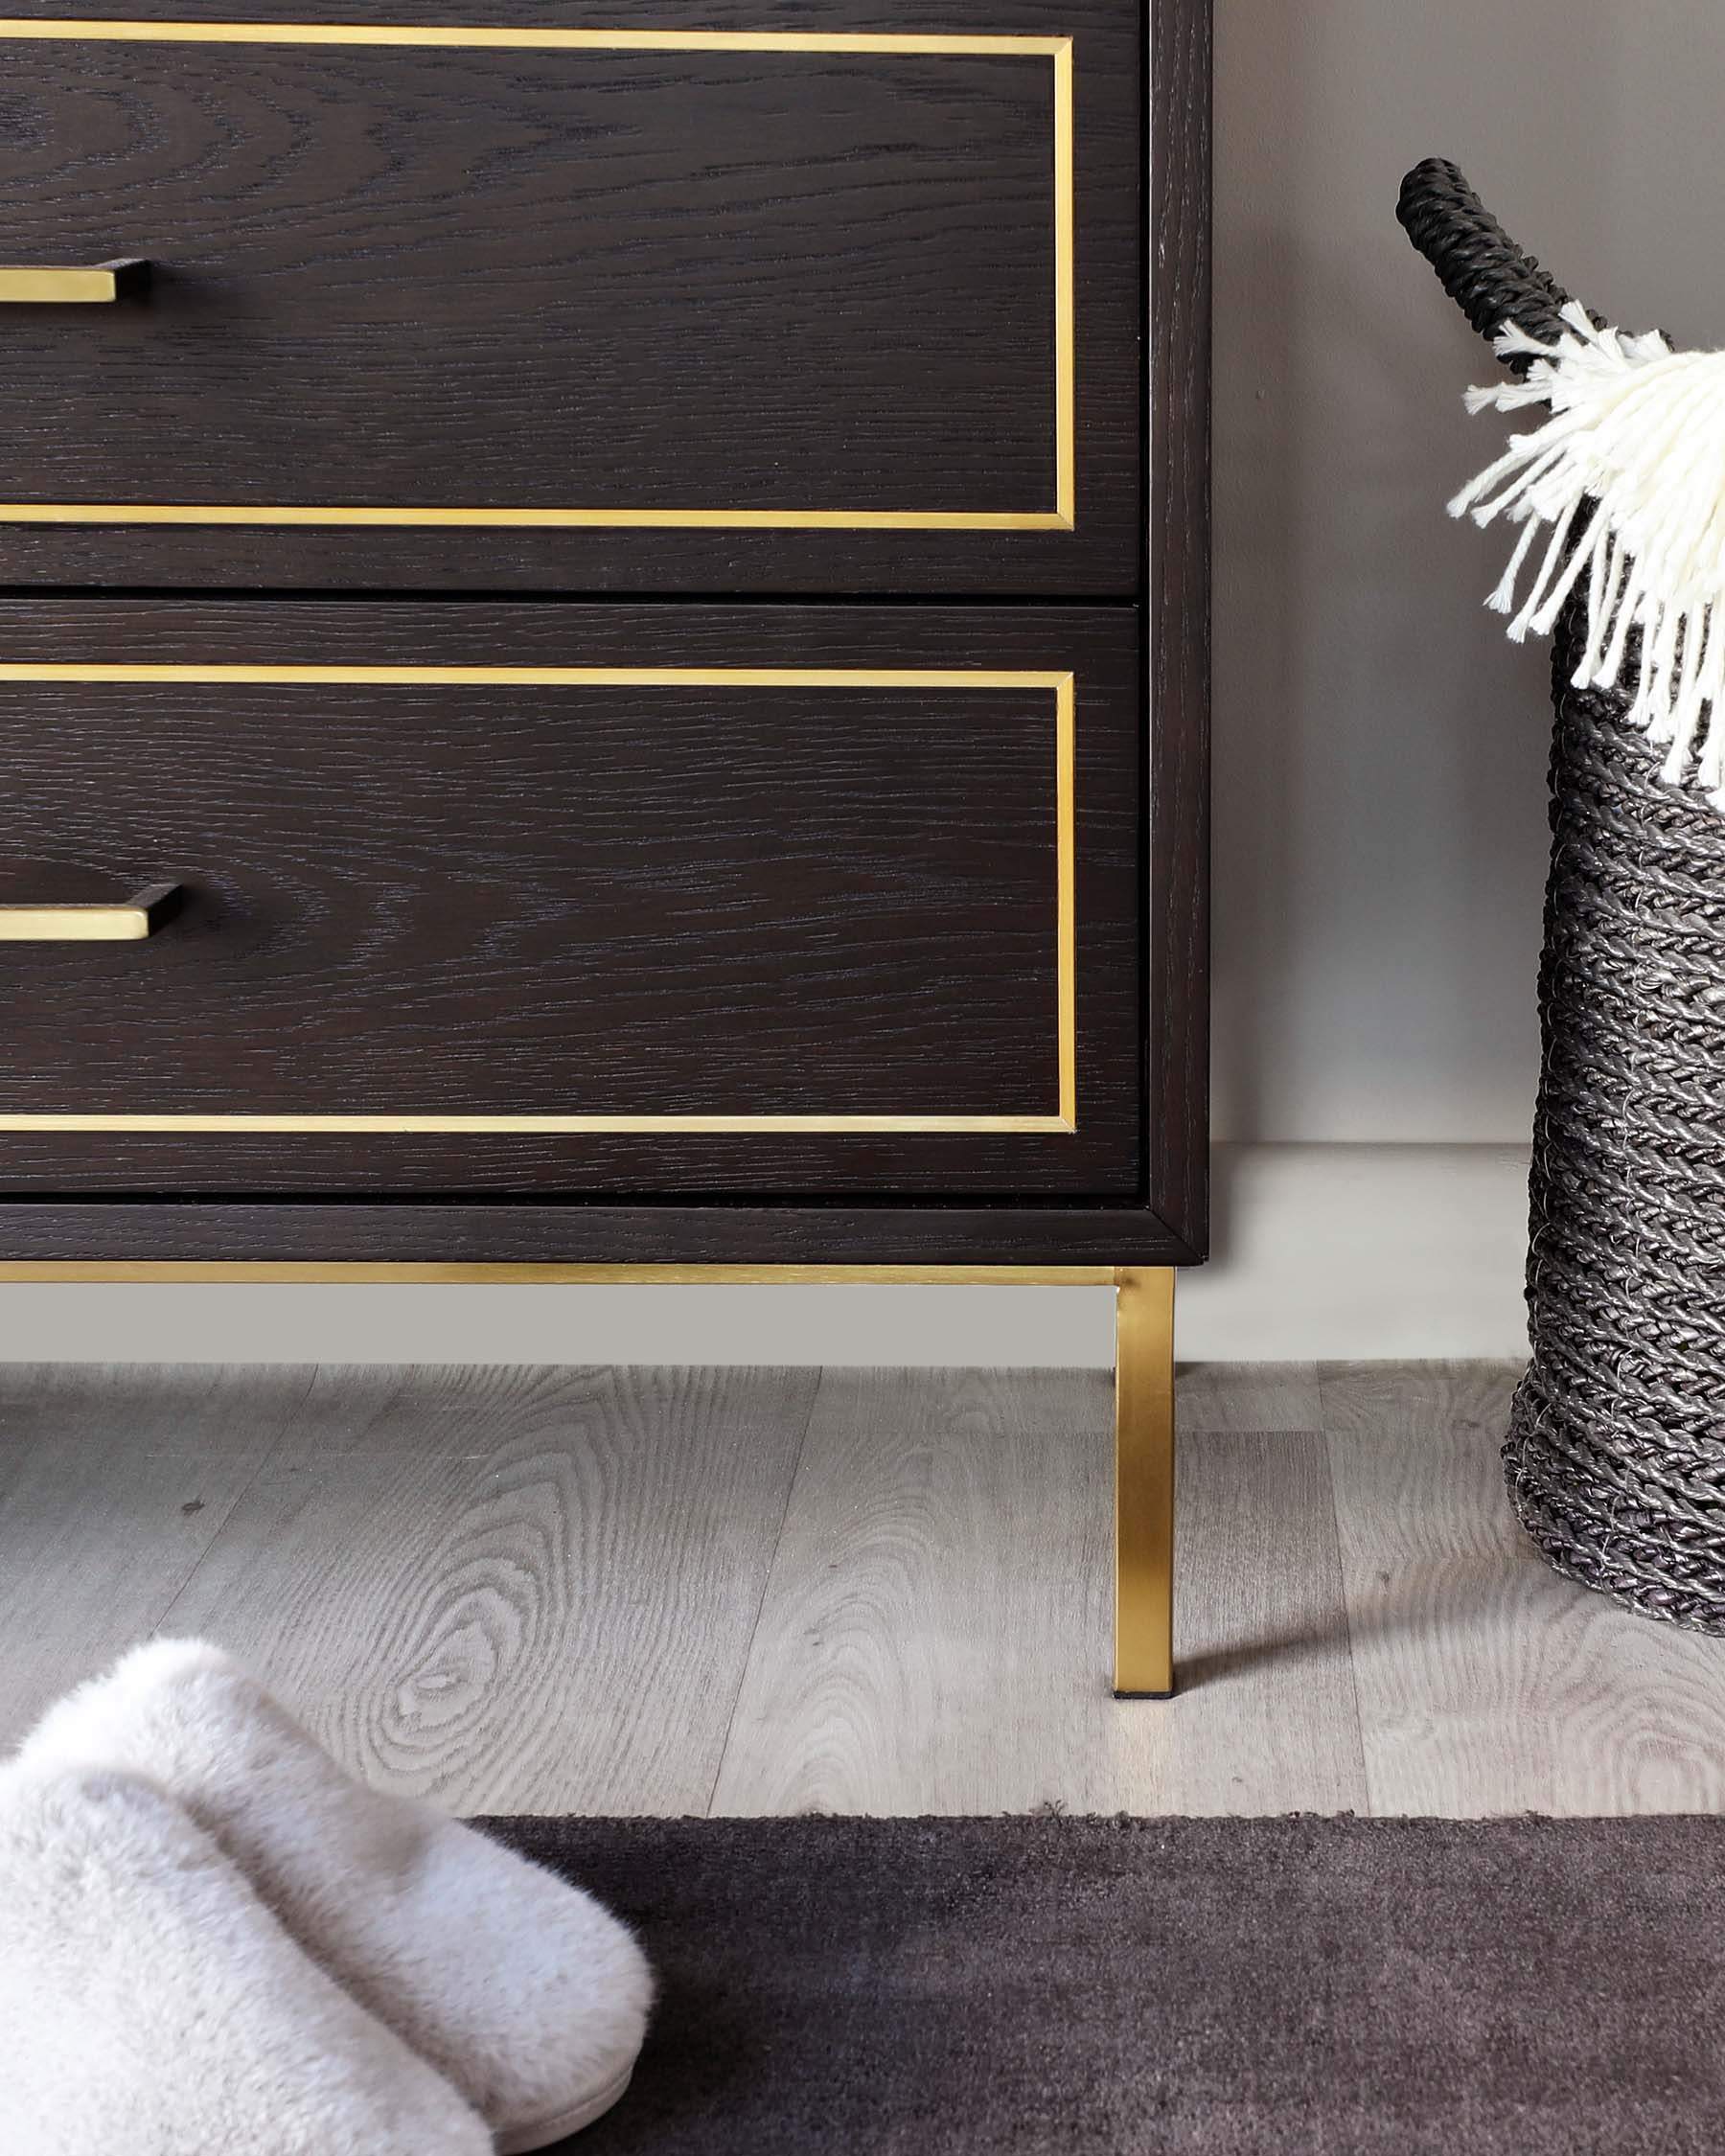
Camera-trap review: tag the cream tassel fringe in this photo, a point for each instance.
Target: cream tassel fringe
(1629, 476)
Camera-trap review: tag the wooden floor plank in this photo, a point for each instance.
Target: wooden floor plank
(514, 1590)
(540, 1588)
(1487, 1682)
(936, 1633)
(1247, 1396)
(113, 1484)
(1267, 1714)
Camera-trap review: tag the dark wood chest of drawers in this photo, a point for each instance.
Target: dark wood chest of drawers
(641, 587)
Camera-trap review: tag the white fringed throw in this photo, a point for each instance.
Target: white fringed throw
(1629, 476)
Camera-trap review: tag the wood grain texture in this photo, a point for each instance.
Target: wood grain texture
(934, 1636)
(602, 279)
(1246, 1396)
(379, 220)
(541, 1588)
(113, 1485)
(126, 1232)
(613, 280)
(528, 1587)
(935, 1632)
(1486, 1684)
(1269, 1722)
(1177, 626)
(447, 899)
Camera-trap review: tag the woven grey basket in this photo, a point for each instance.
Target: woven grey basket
(1615, 1453)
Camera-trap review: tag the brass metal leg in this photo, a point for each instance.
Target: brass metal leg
(1144, 1482)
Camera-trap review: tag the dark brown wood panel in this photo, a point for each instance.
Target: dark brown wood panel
(663, 897)
(612, 281)
(1178, 620)
(120, 1232)
(896, 1203)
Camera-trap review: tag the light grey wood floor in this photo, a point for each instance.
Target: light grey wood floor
(764, 1591)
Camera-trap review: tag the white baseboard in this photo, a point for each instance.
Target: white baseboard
(1325, 1251)
(1360, 1253)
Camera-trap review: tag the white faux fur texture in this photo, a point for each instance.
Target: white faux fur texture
(1625, 481)
(526, 1994)
(151, 2006)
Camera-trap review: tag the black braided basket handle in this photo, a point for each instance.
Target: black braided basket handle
(1489, 278)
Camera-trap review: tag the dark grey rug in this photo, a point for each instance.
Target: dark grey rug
(1028, 1986)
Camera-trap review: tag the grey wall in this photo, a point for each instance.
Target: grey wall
(1380, 746)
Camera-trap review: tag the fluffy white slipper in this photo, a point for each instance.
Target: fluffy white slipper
(521, 1990)
(150, 2004)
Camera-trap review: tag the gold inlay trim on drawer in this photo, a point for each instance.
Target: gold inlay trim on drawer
(1058, 51)
(1061, 685)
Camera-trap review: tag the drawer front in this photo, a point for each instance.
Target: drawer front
(569, 900)
(807, 308)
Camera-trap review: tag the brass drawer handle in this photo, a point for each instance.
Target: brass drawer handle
(142, 915)
(24, 287)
